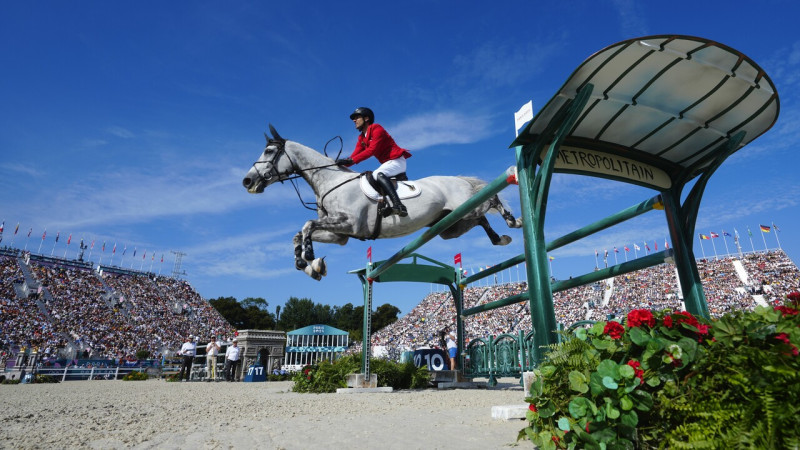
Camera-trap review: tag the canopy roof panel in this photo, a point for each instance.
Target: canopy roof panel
(660, 107)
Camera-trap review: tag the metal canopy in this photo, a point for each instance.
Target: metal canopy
(437, 272)
(660, 109)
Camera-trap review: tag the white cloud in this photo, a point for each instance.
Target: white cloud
(428, 130)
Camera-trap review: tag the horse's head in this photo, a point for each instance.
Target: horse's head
(273, 165)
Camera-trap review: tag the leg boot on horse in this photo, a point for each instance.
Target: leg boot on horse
(388, 188)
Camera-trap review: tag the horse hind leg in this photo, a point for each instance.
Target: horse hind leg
(511, 221)
(493, 236)
(315, 270)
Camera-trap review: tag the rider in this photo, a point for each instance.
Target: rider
(373, 140)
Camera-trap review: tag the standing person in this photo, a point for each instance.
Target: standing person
(452, 349)
(231, 360)
(373, 140)
(188, 350)
(212, 350)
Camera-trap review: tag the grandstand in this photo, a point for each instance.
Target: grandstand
(730, 283)
(63, 309)
(66, 309)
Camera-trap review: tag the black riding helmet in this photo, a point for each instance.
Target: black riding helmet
(364, 112)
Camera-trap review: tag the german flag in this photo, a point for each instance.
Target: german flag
(764, 228)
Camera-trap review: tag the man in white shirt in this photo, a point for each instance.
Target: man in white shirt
(212, 350)
(231, 360)
(188, 350)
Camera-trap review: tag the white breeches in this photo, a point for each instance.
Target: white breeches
(391, 168)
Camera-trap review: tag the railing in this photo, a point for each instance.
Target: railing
(88, 373)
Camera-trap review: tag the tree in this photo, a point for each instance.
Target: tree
(250, 313)
(384, 315)
(231, 310)
(296, 313)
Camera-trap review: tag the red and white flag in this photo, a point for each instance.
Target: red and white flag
(69, 239)
(369, 254)
(457, 259)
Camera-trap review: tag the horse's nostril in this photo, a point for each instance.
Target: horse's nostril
(247, 182)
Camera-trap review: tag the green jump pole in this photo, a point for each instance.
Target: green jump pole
(600, 225)
(457, 214)
(626, 267)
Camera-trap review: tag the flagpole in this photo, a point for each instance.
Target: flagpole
(615, 256)
(762, 237)
(596, 263)
(751, 239)
(40, 243)
(54, 244)
(725, 241)
(738, 244)
(776, 235)
(701, 246)
(626, 254)
(713, 245)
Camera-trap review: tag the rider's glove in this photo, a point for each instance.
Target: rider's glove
(344, 162)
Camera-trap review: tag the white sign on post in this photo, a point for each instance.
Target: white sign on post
(522, 116)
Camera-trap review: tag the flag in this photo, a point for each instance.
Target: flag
(369, 254)
(595, 253)
(551, 258)
(606, 255)
(16, 229)
(615, 250)
(714, 235)
(647, 247)
(144, 254)
(725, 233)
(104, 246)
(134, 251)
(152, 258)
(457, 258)
(30, 231)
(2, 226)
(124, 249)
(748, 232)
(655, 244)
(114, 250)
(58, 234)
(666, 244)
(773, 226)
(44, 235)
(69, 239)
(704, 237)
(92, 247)
(764, 228)
(627, 249)
(162, 257)
(636, 247)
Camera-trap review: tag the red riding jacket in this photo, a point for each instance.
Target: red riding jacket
(377, 142)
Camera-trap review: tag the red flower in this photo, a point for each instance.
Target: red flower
(614, 329)
(554, 439)
(638, 373)
(703, 328)
(532, 407)
(639, 317)
(668, 321)
(794, 297)
(786, 311)
(783, 337)
(688, 318)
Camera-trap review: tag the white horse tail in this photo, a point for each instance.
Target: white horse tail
(494, 204)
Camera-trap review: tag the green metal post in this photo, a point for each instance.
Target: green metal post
(533, 198)
(458, 300)
(688, 276)
(366, 344)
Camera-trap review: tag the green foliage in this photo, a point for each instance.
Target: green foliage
(9, 381)
(135, 376)
(670, 380)
(327, 377)
(142, 354)
(250, 313)
(44, 379)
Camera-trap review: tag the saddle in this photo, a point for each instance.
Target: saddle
(405, 189)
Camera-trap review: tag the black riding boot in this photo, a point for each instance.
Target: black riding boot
(388, 189)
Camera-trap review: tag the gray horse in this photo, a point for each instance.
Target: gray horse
(345, 210)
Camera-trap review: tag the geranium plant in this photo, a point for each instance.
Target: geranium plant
(670, 379)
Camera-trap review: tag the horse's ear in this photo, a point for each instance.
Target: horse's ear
(266, 137)
(275, 134)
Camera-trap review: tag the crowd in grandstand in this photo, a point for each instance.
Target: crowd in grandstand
(99, 314)
(770, 274)
(114, 314)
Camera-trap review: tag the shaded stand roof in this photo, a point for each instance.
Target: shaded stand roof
(660, 107)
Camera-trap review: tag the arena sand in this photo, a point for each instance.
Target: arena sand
(197, 415)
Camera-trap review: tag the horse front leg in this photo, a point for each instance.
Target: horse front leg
(323, 230)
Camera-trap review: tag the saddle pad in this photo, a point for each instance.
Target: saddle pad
(405, 189)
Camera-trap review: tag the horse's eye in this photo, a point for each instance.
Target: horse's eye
(266, 151)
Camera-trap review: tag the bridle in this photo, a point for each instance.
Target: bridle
(292, 174)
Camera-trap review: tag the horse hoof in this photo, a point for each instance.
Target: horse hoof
(504, 240)
(319, 266)
(312, 273)
(517, 223)
(300, 264)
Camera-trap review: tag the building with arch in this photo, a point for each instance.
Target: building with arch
(312, 344)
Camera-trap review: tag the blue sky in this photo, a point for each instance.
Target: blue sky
(134, 123)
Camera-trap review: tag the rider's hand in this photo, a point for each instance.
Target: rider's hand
(344, 162)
